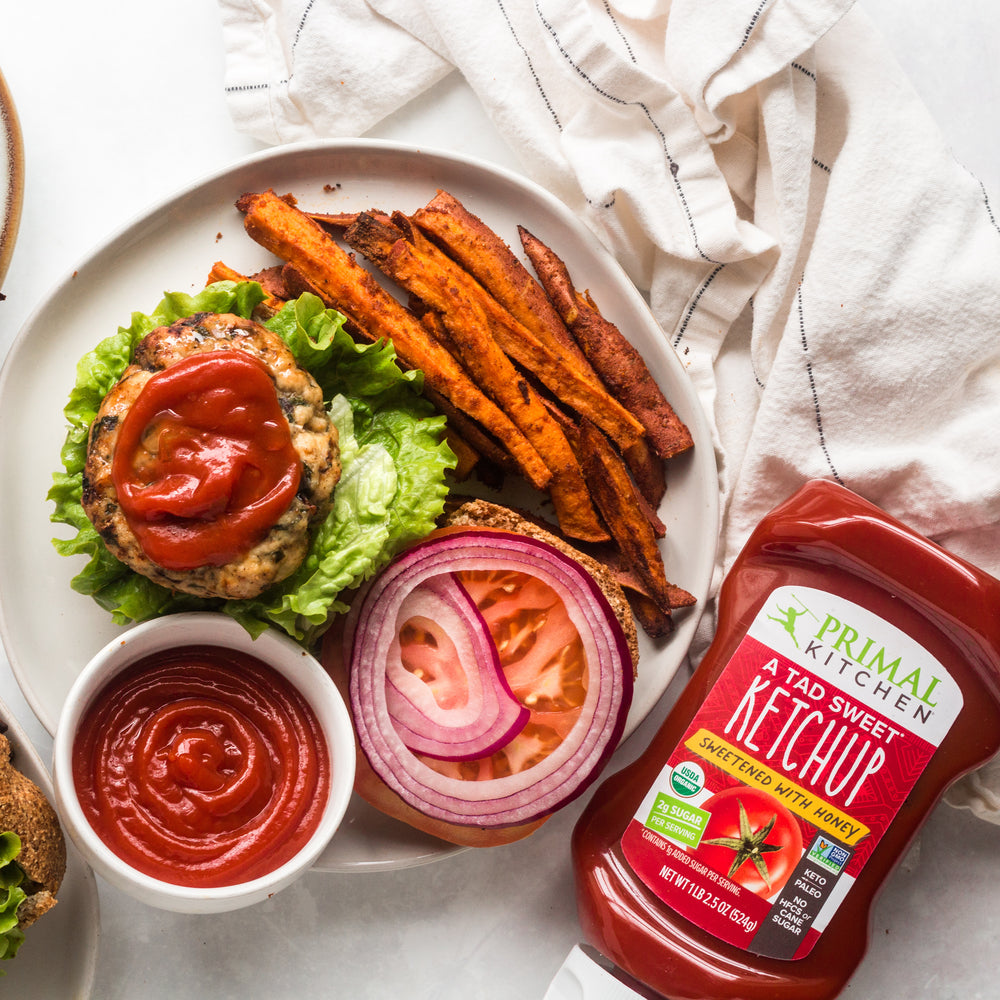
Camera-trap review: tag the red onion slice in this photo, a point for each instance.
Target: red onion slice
(488, 716)
(573, 765)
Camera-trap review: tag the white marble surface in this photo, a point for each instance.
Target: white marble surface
(121, 104)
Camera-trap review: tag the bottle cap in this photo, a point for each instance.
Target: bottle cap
(582, 977)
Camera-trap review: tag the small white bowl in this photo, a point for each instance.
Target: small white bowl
(203, 628)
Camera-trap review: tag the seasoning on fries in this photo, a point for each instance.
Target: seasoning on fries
(609, 351)
(469, 333)
(622, 509)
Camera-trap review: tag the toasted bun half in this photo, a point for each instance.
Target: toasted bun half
(482, 514)
(368, 785)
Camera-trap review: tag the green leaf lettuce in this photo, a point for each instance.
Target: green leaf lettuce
(393, 455)
(11, 895)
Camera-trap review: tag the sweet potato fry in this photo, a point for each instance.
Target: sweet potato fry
(343, 284)
(272, 280)
(468, 330)
(649, 471)
(572, 431)
(617, 499)
(629, 579)
(482, 253)
(466, 456)
(221, 271)
(296, 284)
(564, 380)
(619, 364)
(485, 446)
(652, 619)
(341, 220)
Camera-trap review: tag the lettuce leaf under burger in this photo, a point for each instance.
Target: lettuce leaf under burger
(393, 454)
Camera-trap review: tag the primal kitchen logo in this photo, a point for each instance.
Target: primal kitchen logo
(839, 645)
(788, 618)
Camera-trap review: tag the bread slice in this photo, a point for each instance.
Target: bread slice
(368, 785)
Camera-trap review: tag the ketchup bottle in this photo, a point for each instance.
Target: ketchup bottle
(855, 674)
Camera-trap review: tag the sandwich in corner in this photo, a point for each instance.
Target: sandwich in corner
(32, 854)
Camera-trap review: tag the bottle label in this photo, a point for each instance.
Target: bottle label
(791, 772)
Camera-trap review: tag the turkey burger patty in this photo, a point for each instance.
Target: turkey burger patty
(210, 458)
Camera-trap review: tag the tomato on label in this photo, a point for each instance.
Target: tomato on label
(751, 838)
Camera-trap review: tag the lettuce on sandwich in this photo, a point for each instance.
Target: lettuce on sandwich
(11, 895)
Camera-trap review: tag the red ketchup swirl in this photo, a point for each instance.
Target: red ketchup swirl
(204, 463)
(202, 767)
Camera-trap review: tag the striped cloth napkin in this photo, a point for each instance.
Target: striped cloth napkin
(828, 272)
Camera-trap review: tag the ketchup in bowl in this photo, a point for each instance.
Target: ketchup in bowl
(201, 766)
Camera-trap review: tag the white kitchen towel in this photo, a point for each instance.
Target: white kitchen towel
(828, 272)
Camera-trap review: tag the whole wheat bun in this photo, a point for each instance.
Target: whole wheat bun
(26, 811)
(367, 784)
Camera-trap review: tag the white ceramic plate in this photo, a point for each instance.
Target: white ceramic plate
(11, 177)
(50, 632)
(59, 955)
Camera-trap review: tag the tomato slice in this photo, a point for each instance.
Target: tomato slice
(428, 653)
(542, 657)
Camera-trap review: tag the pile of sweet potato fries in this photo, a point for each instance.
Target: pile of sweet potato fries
(533, 379)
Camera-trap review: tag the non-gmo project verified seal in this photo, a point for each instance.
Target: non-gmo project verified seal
(799, 902)
(831, 856)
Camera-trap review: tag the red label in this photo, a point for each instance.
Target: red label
(790, 773)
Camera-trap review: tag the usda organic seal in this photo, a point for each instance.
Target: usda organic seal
(687, 779)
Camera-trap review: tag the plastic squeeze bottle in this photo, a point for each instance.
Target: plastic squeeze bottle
(854, 675)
